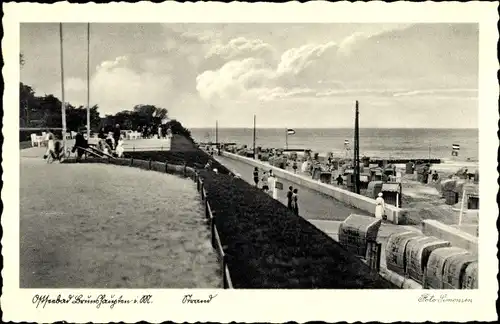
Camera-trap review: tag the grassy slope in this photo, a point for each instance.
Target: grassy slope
(96, 226)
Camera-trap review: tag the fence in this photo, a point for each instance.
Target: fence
(216, 242)
(186, 172)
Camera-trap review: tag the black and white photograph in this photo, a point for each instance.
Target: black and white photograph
(218, 157)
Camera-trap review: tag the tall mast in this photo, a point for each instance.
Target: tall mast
(286, 138)
(254, 149)
(63, 103)
(356, 151)
(88, 81)
(217, 133)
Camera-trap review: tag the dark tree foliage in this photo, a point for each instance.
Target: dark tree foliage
(177, 128)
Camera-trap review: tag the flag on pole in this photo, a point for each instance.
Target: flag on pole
(290, 131)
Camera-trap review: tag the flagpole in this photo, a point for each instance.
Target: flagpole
(286, 138)
(254, 152)
(217, 133)
(356, 150)
(88, 81)
(63, 103)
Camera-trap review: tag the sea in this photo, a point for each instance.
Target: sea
(415, 143)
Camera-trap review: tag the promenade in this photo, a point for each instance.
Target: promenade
(324, 212)
(312, 204)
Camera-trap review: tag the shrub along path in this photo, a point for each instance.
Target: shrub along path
(269, 247)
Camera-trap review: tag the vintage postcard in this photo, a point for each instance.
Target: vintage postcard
(250, 162)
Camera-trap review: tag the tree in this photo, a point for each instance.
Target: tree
(150, 114)
(177, 128)
(76, 118)
(45, 111)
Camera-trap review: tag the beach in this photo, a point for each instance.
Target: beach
(421, 143)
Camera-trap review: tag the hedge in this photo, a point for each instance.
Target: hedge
(195, 159)
(270, 247)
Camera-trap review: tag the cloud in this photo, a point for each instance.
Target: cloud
(234, 79)
(439, 92)
(392, 63)
(242, 47)
(351, 41)
(115, 86)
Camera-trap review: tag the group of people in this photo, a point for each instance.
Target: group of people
(112, 142)
(268, 183)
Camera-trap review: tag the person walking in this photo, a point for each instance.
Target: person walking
(80, 144)
(49, 138)
(119, 148)
(256, 176)
(265, 183)
(289, 196)
(295, 202)
(295, 167)
(380, 206)
(340, 180)
(272, 184)
(435, 176)
(116, 135)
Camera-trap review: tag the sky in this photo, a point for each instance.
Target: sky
(288, 75)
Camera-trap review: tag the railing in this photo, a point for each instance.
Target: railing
(186, 172)
(216, 242)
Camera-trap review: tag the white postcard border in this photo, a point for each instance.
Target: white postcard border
(257, 305)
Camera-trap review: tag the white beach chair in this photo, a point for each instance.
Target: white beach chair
(35, 140)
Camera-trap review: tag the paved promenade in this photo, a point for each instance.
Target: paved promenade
(312, 204)
(320, 210)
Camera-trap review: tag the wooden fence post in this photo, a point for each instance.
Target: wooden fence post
(131, 161)
(166, 167)
(212, 225)
(149, 168)
(207, 208)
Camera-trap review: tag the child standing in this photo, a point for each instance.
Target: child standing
(256, 176)
(265, 184)
(295, 202)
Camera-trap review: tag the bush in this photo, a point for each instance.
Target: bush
(269, 247)
(195, 159)
(177, 129)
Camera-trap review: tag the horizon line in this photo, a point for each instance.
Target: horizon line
(267, 127)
